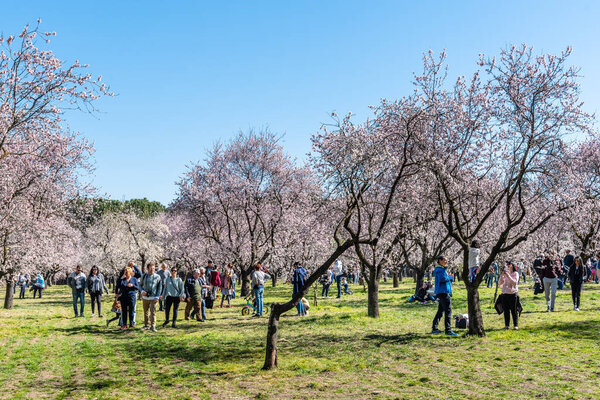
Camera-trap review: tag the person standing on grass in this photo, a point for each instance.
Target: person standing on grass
(258, 288)
(152, 288)
(127, 290)
(215, 283)
(76, 282)
(338, 270)
(23, 282)
(234, 279)
(326, 280)
(173, 292)
(164, 274)
(298, 280)
(195, 288)
(550, 273)
(38, 286)
(443, 292)
(95, 286)
(227, 285)
(509, 283)
(576, 275)
(137, 274)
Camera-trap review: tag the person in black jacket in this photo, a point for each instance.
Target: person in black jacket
(137, 274)
(576, 275)
(128, 288)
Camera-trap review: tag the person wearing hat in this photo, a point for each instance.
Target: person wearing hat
(508, 281)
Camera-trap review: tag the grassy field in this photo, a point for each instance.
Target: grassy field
(335, 353)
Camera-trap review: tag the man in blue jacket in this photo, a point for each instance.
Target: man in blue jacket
(443, 292)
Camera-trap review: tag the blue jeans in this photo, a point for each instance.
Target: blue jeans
(325, 291)
(233, 288)
(258, 295)
(203, 309)
(300, 308)
(338, 280)
(78, 296)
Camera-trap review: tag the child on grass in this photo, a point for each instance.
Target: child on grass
(116, 308)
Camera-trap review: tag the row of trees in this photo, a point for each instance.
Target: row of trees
(507, 156)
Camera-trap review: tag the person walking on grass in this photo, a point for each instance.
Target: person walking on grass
(164, 274)
(127, 290)
(172, 294)
(137, 274)
(576, 275)
(258, 287)
(152, 288)
(298, 280)
(227, 285)
(443, 292)
(116, 308)
(76, 282)
(95, 286)
(509, 283)
(550, 273)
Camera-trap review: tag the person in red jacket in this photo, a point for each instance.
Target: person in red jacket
(215, 283)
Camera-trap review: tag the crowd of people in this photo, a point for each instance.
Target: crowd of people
(163, 290)
(550, 273)
(159, 290)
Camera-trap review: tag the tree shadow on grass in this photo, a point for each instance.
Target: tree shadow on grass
(574, 329)
(402, 339)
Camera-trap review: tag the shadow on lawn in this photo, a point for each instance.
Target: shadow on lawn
(405, 338)
(575, 329)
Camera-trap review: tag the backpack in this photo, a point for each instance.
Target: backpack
(461, 321)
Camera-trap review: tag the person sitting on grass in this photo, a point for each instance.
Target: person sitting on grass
(422, 294)
(443, 292)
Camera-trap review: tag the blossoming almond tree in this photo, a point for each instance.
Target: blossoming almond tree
(40, 160)
(240, 197)
(496, 148)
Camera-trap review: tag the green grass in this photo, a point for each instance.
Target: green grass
(335, 353)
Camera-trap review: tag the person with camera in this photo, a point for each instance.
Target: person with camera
(509, 283)
(443, 292)
(152, 288)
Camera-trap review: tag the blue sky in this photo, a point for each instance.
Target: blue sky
(190, 73)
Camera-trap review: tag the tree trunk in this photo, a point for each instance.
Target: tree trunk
(246, 281)
(395, 279)
(419, 279)
(8, 298)
(272, 337)
(475, 318)
(274, 279)
(373, 297)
